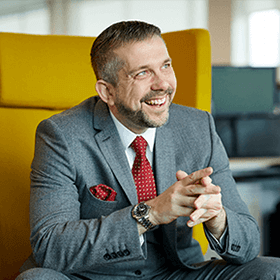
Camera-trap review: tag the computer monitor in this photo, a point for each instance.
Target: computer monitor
(243, 102)
(250, 137)
(243, 90)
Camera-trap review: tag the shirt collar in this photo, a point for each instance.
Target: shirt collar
(127, 136)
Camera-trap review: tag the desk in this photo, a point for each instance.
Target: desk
(258, 182)
(250, 135)
(244, 169)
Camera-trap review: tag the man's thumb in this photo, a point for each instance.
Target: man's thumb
(181, 175)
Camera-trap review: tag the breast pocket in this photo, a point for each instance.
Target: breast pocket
(93, 207)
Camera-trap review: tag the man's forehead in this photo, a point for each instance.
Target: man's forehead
(140, 53)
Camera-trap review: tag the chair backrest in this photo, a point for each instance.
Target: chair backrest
(43, 75)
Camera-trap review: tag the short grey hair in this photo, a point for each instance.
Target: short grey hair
(105, 62)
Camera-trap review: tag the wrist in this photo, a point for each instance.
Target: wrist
(217, 224)
(141, 213)
(152, 213)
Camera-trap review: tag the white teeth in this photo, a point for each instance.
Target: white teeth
(156, 102)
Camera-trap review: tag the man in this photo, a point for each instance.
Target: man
(96, 215)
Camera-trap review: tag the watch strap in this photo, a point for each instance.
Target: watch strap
(146, 223)
(144, 219)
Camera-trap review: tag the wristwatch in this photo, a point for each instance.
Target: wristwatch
(140, 213)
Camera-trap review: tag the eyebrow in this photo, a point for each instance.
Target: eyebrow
(130, 73)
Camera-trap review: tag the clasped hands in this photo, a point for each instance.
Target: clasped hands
(192, 196)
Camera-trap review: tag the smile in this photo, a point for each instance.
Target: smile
(156, 101)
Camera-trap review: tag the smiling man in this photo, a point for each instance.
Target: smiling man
(111, 197)
(146, 86)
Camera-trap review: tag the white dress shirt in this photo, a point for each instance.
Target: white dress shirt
(127, 137)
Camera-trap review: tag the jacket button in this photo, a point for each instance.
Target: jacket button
(107, 257)
(120, 253)
(235, 248)
(138, 272)
(126, 252)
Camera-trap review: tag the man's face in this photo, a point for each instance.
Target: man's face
(146, 86)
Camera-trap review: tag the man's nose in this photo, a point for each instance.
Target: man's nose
(159, 83)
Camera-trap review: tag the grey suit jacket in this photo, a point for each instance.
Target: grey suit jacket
(73, 231)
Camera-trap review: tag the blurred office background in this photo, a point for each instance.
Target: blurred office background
(245, 86)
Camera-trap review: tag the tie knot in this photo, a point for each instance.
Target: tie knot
(139, 145)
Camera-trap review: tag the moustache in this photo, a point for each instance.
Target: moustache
(156, 93)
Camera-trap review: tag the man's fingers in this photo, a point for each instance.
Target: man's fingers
(198, 182)
(206, 207)
(181, 175)
(206, 201)
(205, 181)
(201, 201)
(197, 214)
(195, 190)
(198, 175)
(187, 201)
(202, 215)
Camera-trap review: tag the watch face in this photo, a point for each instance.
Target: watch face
(141, 210)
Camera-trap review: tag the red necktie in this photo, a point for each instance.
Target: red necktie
(142, 171)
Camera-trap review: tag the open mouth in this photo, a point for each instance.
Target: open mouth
(156, 102)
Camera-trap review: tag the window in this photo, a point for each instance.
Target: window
(91, 17)
(24, 17)
(264, 38)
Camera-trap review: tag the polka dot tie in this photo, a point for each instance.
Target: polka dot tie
(142, 171)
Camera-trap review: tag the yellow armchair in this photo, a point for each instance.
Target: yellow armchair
(43, 75)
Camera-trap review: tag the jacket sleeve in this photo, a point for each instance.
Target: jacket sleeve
(243, 237)
(60, 239)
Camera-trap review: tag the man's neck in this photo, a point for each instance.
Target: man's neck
(127, 136)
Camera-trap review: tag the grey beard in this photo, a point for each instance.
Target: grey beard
(140, 118)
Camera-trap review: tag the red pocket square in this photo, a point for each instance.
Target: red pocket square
(103, 192)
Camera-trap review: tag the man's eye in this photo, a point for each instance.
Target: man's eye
(142, 74)
(167, 65)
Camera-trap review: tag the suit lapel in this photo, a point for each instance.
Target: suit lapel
(165, 173)
(164, 163)
(165, 170)
(111, 146)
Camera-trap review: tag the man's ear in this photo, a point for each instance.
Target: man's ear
(104, 90)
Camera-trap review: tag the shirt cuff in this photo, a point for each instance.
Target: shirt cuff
(218, 245)
(141, 238)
